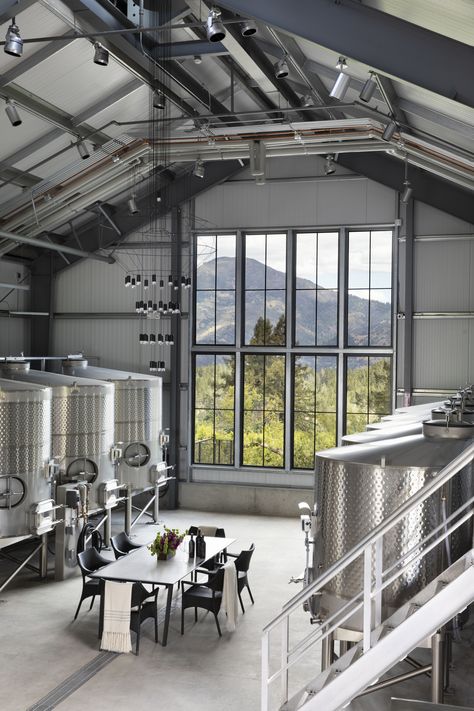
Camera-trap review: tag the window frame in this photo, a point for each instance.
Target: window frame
(367, 355)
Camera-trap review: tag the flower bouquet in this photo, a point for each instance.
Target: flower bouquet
(166, 543)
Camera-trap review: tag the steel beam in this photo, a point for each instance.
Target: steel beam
(379, 40)
(42, 296)
(32, 60)
(185, 50)
(66, 249)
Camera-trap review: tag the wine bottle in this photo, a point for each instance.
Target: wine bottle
(191, 547)
(200, 545)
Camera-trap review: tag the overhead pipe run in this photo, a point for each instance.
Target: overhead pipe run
(34, 242)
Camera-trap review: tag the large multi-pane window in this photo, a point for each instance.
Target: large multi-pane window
(215, 289)
(292, 343)
(264, 411)
(265, 289)
(214, 408)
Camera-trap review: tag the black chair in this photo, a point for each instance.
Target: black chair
(144, 605)
(89, 561)
(207, 597)
(213, 564)
(123, 544)
(242, 564)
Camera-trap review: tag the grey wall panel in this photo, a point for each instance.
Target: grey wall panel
(441, 353)
(444, 279)
(14, 336)
(381, 203)
(430, 221)
(14, 331)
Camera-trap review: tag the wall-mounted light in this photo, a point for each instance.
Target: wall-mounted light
(329, 167)
(407, 189)
(281, 68)
(132, 206)
(390, 129)
(83, 149)
(215, 30)
(159, 100)
(342, 82)
(199, 169)
(248, 28)
(12, 113)
(368, 90)
(307, 101)
(101, 55)
(13, 42)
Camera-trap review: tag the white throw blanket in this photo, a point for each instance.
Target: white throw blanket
(229, 595)
(117, 604)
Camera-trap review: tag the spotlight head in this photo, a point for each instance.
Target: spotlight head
(281, 69)
(368, 90)
(128, 280)
(158, 197)
(215, 30)
(303, 506)
(159, 100)
(13, 42)
(340, 87)
(307, 101)
(132, 207)
(248, 28)
(389, 130)
(198, 169)
(197, 59)
(83, 149)
(407, 191)
(12, 113)
(101, 55)
(329, 167)
(341, 64)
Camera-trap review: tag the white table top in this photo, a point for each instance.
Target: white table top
(140, 566)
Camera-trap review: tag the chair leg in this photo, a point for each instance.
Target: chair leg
(195, 614)
(78, 607)
(93, 598)
(250, 593)
(182, 619)
(241, 603)
(218, 626)
(137, 648)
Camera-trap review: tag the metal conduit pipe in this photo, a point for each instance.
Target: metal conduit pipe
(55, 247)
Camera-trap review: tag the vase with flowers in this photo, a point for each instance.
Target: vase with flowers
(166, 543)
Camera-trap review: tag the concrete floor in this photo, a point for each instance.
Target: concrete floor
(41, 646)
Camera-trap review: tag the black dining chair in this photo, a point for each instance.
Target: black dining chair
(207, 596)
(242, 564)
(89, 561)
(213, 564)
(123, 544)
(144, 605)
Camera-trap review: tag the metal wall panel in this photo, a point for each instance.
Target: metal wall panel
(441, 353)
(430, 221)
(93, 286)
(444, 276)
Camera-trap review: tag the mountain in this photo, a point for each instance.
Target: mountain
(306, 315)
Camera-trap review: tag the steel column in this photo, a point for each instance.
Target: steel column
(407, 218)
(175, 366)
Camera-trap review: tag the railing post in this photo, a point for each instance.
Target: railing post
(285, 640)
(265, 668)
(367, 596)
(378, 581)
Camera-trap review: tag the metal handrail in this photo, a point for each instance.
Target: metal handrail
(392, 520)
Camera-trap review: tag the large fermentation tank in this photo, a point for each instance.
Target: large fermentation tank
(411, 428)
(82, 431)
(358, 486)
(25, 452)
(138, 419)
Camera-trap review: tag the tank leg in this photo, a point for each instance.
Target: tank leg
(344, 646)
(107, 528)
(437, 674)
(128, 511)
(327, 652)
(44, 556)
(156, 505)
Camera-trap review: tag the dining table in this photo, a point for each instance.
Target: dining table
(140, 566)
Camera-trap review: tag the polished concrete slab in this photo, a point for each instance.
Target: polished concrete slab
(41, 647)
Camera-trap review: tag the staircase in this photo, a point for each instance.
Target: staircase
(412, 623)
(384, 642)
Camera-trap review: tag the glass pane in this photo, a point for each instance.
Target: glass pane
(253, 439)
(380, 317)
(380, 385)
(328, 264)
(305, 384)
(254, 261)
(359, 260)
(204, 382)
(255, 326)
(326, 383)
(224, 437)
(356, 423)
(205, 305)
(254, 366)
(327, 317)
(357, 383)
(274, 437)
(325, 431)
(225, 317)
(205, 262)
(225, 381)
(381, 260)
(358, 318)
(305, 318)
(276, 261)
(204, 436)
(274, 383)
(305, 260)
(303, 440)
(226, 262)
(275, 316)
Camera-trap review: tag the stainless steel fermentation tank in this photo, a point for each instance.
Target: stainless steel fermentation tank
(138, 420)
(357, 486)
(26, 504)
(82, 429)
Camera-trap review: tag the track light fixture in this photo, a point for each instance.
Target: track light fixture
(198, 169)
(159, 100)
(101, 55)
(248, 28)
(13, 42)
(133, 210)
(368, 90)
(407, 189)
(215, 30)
(329, 167)
(83, 149)
(197, 59)
(12, 113)
(281, 68)
(389, 130)
(307, 101)
(342, 82)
